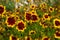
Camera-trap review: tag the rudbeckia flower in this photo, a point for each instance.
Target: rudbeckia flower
(46, 16)
(43, 5)
(10, 21)
(17, 18)
(51, 9)
(45, 38)
(27, 16)
(34, 18)
(57, 34)
(13, 38)
(2, 9)
(56, 23)
(43, 24)
(32, 32)
(28, 38)
(21, 26)
(32, 6)
(33, 12)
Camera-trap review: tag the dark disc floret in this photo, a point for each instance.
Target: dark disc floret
(28, 16)
(57, 23)
(21, 26)
(57, 34)
(1, 10)
(14, 38)
(45, 38)
(11, 21)
(34, 17)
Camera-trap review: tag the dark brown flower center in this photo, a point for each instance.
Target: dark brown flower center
(32, 6)
(44, 4)
(57, 23)
(21, 26)
(1, 10)
(45, 38)
(46, 16)
(49, 14)
(33, 12)
(28, 16)
(11, 20)
(32, 32)
(28, 38)
(34, 17)
(51, 9)
(57, 34)
(14, 38)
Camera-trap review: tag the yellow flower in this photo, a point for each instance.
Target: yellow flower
(57, 34)
(10, 21)
(51, 9)
(43, 5)
(27, 16)
(32, 32)
(21, 26)
(32, 6)
(28, 38)
(2, 9)
(31, 16)
(33, 12)
(46, 16)
(13, 38)
(34, 17)
(43, 24)
(56, 23)
(45, 38)
(17, 18)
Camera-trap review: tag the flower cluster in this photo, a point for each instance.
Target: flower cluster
(30, 20)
